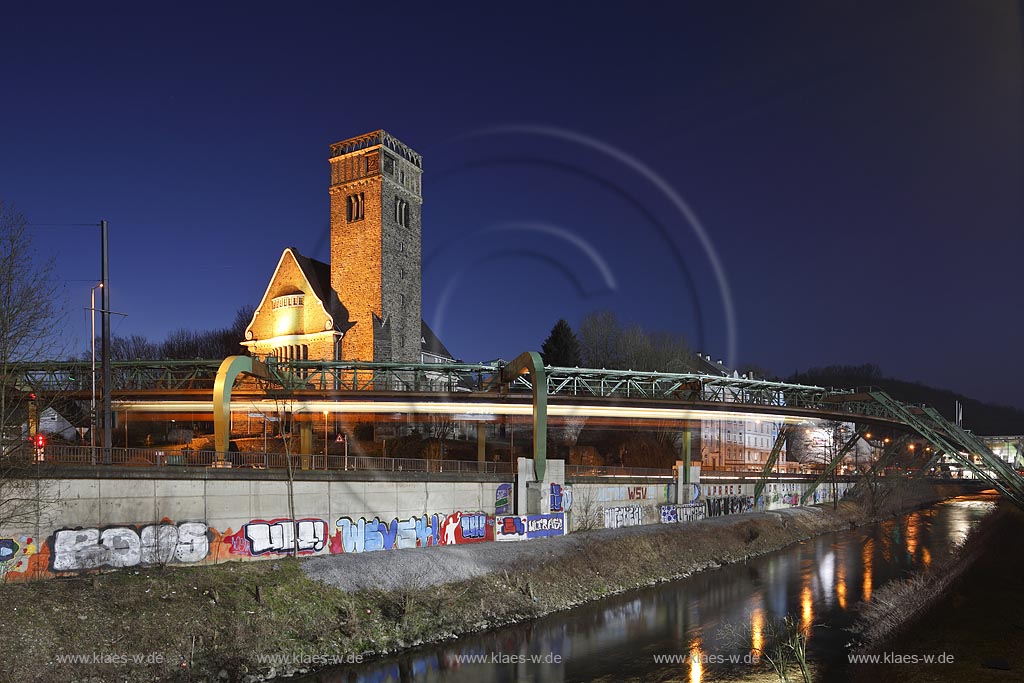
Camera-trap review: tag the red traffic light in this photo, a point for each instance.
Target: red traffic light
(40, 440)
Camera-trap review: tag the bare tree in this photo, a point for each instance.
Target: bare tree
(31, 323)
(606, 343)
(135, 347)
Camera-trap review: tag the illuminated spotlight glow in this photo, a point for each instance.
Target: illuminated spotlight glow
(467, 411)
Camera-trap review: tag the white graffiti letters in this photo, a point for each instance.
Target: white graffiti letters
(282, 536)
(81, 549)
(631, 515)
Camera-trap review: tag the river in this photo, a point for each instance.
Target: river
(701, 628)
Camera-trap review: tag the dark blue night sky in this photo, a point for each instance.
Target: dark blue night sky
(856, 168)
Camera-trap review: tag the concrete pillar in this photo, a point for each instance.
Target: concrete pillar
(534, 497)
(306, 443)
(687, 478)
(481, 442)
(686, 455)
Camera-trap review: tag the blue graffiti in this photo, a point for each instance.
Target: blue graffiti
(502, 499)
(473, 526)
(8, 549)
(361, 536)
(556, 498)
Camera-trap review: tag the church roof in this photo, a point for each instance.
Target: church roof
(429, 343)
(318, 274)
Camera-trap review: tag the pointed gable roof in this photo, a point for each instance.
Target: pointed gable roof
(317, 277)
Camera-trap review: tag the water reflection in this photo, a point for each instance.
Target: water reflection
(696, 665)
(841, 584)
(620, 638)
(757, 631)
(867, 558)
(806, 609)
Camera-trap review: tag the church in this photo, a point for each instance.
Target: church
(365, 304)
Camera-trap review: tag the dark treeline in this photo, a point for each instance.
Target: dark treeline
(183, 344)
(980, 417)
(603, 341)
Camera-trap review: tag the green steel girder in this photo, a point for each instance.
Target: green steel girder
(530, 362)
(890, 450)
(840, 454)
(229, 370)
(941, 443)
(780, 441)
(976, 446)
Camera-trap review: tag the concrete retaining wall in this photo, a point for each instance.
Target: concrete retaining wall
(92, 520)
(101, 518)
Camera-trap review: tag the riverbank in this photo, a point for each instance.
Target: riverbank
(976, 625)
(229, 621)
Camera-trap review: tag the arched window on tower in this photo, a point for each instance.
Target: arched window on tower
(354, 207)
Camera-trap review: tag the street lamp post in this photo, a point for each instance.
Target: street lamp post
(92, 411)
(325, 439)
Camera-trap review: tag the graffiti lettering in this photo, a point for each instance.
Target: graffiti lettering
(502, 499)
(8, 549)
(556, 498)
(689, 512)
(278, 536)
(525, 527)
(81, 549)
(632, 515)
(361, 536)
(637, 492)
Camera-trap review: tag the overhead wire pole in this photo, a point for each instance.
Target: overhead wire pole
(105, 318)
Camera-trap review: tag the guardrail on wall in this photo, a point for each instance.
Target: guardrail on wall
(156, 457)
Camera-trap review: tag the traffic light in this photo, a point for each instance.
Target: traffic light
(40, 440)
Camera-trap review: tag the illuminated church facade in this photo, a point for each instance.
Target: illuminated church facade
(365, 304)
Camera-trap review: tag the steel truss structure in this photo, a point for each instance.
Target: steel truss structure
(867, 405)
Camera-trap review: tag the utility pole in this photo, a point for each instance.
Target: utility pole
(105, 318)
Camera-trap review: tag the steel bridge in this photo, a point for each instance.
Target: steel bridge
(523, 386)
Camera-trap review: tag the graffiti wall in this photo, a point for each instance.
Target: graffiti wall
(630, 515)
(74, 550)
(527, 527)
(118, 546)
(359, 536)
(590, 500)
(503, 499)
(689, 512)
(278, 537)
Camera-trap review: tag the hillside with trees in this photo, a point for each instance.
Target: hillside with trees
(980, 417)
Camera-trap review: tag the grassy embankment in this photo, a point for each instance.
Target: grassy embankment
(215, 621)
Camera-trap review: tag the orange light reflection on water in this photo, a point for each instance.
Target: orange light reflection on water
(866, 557)
(757, 630)
(806, 609)
(913, 523)
(841, 584)
(696, 666)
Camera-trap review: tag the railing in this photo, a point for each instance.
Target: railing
(610, 471)
(452, 378)
(156, 457)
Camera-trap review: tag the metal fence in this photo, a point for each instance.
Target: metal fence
(609, 471)
(156, 457)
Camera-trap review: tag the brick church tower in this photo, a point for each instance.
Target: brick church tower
(376, 208)
(365, 303)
